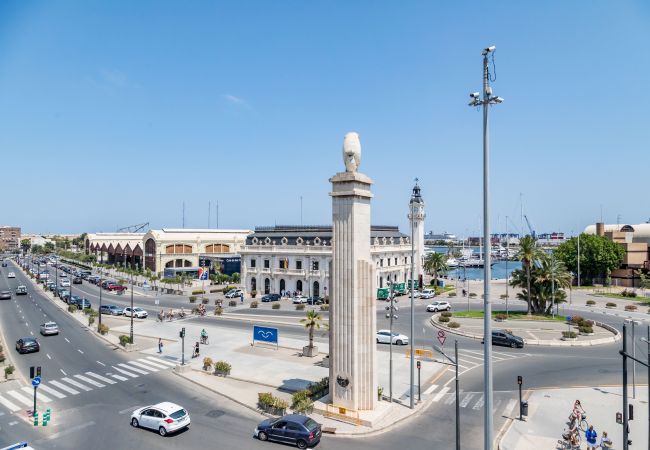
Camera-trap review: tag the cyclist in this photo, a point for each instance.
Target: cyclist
(204, 336)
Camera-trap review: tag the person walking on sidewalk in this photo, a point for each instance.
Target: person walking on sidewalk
(605, 441)
(160, 345)
(241, 298)
(590, 436)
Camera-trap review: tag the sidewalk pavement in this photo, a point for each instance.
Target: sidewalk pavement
(548, 412)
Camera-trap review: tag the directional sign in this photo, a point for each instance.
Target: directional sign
(441, 337)
(36, 381)
(568, 318)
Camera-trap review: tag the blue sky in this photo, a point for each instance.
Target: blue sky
(114, 113)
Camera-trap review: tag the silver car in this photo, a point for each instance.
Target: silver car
(49, 328)
(164, 417)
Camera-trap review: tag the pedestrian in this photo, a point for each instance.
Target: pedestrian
(160, 345)
(590, 436)
(196, 350)
(605, 441)
(241, 297)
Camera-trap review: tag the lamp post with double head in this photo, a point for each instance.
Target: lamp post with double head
(486, 101)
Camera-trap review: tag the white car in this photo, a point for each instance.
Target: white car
(383, 337)
(440, 305)
(234, 293)
(416, 294)
(166, 417)
(138, 312)
(428, 293)
(297, 300)
(64, 283)
(11, 275)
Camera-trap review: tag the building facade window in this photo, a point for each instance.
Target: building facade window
(388, 261)
(381, 262)
(253, 284)
(217, 248)
(283, 263)
(299, 286)
(298, 264)
(252, 264)
(267, 286)
(178, 249)
(315, 265)
(316, 289)
(395, 260)
(267, 264)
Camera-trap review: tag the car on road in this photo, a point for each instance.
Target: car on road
(427, 293)
(4, 264)
(383, 337)
(64, 283)
(166, 417)
(21, 290)
(234, 293)
(62, 293)
(416, 294)
(11, 275)
(76, 280)
(83, 304)
(294, 429)
(49, 328)
(271, 298)
(505, 338)
(115, 287)
(299, 299)
(113, 310)
(63, 275)
(5, 295)
(137, 312)
(315, 300)
(440, 305)
(94, 279)
(72, 299)
(27, 345)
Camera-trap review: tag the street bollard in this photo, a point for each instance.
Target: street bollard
(35, 419)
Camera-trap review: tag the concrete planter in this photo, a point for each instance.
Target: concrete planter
(309, 351)
(586, 334)
(569, 339)
(222, 373)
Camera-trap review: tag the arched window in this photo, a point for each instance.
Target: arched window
(316, 289)
(282, 286)
(178, 249)
(267, 286)
(187, 263)
(381, 282)
(253, 284)
(217, 248)
(299, 286)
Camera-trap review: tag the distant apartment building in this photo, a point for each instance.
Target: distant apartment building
(635, 239)
(9, 239)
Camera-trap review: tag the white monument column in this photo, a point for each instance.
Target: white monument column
(353, 321)
(416, 217)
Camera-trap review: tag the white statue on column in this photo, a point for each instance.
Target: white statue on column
(351, 152)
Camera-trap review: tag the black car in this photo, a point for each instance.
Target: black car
(502, 337)
(27, 345)
(315, 301)
(271, 298)
(83, 304)
(5, 295)
(76, 280)
(293, 429)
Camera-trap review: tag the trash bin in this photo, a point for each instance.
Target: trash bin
(524, 408)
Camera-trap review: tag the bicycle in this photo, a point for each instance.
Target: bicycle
(204, 340)
(570, 440)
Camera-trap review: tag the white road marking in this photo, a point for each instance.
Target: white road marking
(440, 394)
(24, 400)
(7, 404)
(51, 391)
(161, 361)
(132, 375)
(464, 355)
(430, 389)
(144, 366)
(100, 378)
(48, 356)
(100, 363)
(77, 384)
(89, 381)
(509, 407)
(70, 430)
(66, 339)
(26, 324)
(79, 350)
(132, 408)
(117, 377)
(151, 363)
(479, 403)
(32, 333)
(506, 355)
(63, 372)
(11, 424)
(450, 399)
(465, 401)
(63, 387)
(30, 390)
(133, 369)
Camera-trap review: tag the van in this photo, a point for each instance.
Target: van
(428, 293)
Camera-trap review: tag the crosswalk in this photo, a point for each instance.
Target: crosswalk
(50, 390)
(503, 404)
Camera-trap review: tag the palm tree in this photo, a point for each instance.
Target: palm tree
(312, 320)
(435, 264)
(528, 254)
(554, 277)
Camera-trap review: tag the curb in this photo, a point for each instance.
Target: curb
(544, 343)
(508, 423)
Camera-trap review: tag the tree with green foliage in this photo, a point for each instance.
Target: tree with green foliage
(435, 264)
(25, 244)
(311, 321)
(644, 279)
(48, 247)
(528, 254)
(235, 277)
(546, 286)
(598, 257)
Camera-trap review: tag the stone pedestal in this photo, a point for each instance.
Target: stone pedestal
(353, 361)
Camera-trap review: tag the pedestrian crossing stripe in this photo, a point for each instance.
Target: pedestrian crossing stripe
(24, 400)
(76, 384)
(133, 369)
(63, 387)
(161, 361)
(143, 366)
(440, 394)
(118, 377)
(49, 390)
(152, 363)
(7, 404)
(30, 391)
(122, 371)
(101, 378)
(89, 381)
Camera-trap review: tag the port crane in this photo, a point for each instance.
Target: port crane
(530, 228)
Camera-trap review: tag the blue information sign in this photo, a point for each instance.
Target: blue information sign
(568, 318)
(265, 334)
(36, 381)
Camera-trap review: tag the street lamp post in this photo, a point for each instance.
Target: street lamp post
(578, 259)
(487, 100)
(412, 337)
(391, 315)
(633, 323)
(131, 336)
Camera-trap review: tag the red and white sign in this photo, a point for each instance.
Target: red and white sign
(441, 337)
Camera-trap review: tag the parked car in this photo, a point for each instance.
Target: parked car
(383, 337)
(416, 294)
(76, 280)
(298, 299)
(137, 312)
(315, 300)
(64, 283)
(234, 293)
(27, 345)
(83, 304)
(271, 298)
(440, 305)
(166, 417)
(502, 337)
(4, 264)
(49, 328)
(294, 429)
(112, 310)
(11, 275)
(427, 293)
(94, 279)
(62, 292)
(5, 295)
(116, 287)
(21, 290)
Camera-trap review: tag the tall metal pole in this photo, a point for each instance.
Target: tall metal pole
(487, 305)
(390, 358)
(457, 398)
(507, 257)
(634, 362)
(625, 410)
(99, 325)
(578, 259)
(412, 337)
(131, 336)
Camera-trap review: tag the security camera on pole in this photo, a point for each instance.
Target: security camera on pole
(487, 100)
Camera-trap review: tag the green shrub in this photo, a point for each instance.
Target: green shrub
(324, 307)
(214, 291)
(253, 293)
(611, 304)
(299, 396)
(630, 308)
(265, 399)
(300, 307)
(453, 325)
(192, 298)
(198, 291)
(9, 370)
(124, 339)
(304, 406)
(500, 316)
(232, 303)
(585, 329)
(627, 293)
(88, 311)
(576, 320)
(222, 366)
(280, 404)
(452, 294)
(207, 363)
(587, 323)
(72, 308)
(254, 304)
(591, 302)
(443, 319)
(91, 320)
(102, 329)
(275, 306)
(446, 314)
(472, 294)
(503, 296)
(569, 334)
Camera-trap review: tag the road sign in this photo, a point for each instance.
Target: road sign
(203, 273)
(568, 318)
(441, 337)
(36, 381)
(265, 334)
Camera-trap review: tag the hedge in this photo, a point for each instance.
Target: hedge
(254, 304)
(198, 291)
(275, 306)
(453, 325)
(443, 319)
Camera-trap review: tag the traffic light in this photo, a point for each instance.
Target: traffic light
(38, 371)
(182, 333)
(520, 380)
(630, 415)
(31, 372)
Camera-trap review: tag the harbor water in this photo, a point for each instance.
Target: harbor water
(476, 273)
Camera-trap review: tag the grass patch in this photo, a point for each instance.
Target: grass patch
(512, 315)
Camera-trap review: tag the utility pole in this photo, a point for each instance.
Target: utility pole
(412, 337)
(507, 258)
(131, 336)
(391, 315)
(454, 362)
(578, 259)
(487, 100)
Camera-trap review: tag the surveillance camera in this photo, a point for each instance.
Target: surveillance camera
(489, 49)
(488, 90)
(474, 95)
(498, 99)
